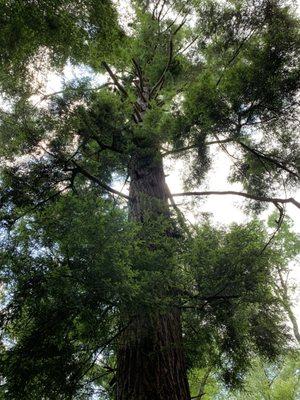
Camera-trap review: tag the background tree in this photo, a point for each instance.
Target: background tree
(102, 282)
(287, 245)
(279, 381)
(263, 381)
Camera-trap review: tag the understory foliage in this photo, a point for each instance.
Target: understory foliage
(263, 381)
(73, 264)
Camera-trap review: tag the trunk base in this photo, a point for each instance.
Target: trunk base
(151, 363)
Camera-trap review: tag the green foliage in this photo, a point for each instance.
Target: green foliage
(234, 311)
(59, 30)
(64, 272)
(272, 381)
(263, 381)
(74, 268)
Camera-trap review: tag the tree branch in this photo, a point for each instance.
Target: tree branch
(93, 178)
(70, 89)
(181, 51)
(273, 200)
(115, 79)
(161, 10)
(139, 74)
(235, 55)
(259, 154)
(39, 204)
(194, 146)
(160, 81)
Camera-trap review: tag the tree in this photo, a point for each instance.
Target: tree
(99, 282)
(263, 381)
(279, 381)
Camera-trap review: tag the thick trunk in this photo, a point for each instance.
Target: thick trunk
(151, 362)
(150, 359)
(148, 189)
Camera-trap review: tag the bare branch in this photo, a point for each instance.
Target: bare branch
(139, 74)
(93, 178)
(161, 10)
(181, 51)
(273, 200)
(155, 8)
(179, 27)
(279, 224)
(69, 89)
(179, 214)
(167, 12)
(115, 79)
(160, 81)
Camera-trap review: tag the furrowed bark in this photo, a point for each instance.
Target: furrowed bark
(151, 363)
(150, 359)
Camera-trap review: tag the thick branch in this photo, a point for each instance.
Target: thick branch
(139, 74)
(93, 178)
(273, 200)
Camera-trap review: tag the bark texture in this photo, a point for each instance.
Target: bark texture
(150, 359)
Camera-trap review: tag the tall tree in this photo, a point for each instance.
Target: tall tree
(98, 281)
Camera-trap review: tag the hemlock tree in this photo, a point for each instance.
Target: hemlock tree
(111, 293)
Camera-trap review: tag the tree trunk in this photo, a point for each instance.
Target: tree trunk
(150, 359)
